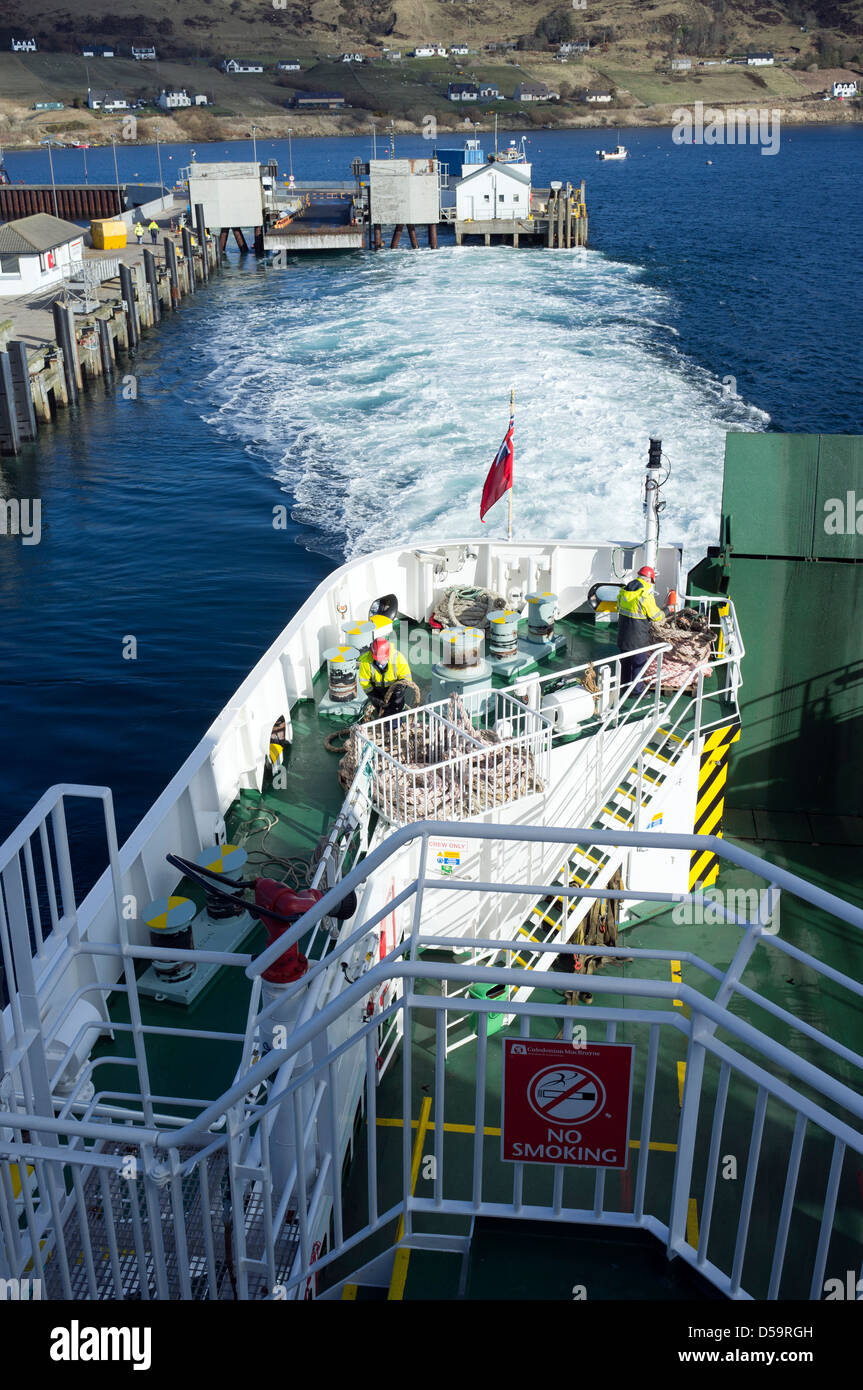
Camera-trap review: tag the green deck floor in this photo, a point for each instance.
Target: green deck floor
(305, 807)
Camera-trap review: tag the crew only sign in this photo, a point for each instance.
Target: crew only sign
(565, 1104)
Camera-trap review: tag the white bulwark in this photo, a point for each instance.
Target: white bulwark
(37, 252)
(494, 191)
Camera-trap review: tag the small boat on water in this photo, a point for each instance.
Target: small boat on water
(619, 152)
(513, 154)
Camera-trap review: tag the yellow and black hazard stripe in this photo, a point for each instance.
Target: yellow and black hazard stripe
(710, 801)
(722, 612)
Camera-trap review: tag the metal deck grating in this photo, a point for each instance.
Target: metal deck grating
(129, 1208)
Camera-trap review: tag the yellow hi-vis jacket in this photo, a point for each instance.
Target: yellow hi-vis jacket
(636, 600)
(397, 670)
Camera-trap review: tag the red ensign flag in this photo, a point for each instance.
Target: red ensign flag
(499, 480)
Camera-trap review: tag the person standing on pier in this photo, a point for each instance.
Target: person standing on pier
(139, 231)
(153, 229)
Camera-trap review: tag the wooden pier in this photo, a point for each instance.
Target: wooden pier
(52, 344)
(558, 221)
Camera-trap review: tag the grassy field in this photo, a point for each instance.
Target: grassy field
(705, 84)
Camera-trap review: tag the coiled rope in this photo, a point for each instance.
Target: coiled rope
(467, 607)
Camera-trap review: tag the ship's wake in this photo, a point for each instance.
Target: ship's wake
(376, 392)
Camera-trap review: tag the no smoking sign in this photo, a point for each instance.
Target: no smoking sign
(566, 1105)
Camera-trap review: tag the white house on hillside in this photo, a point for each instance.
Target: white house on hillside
(172, 98)
(288, 65)
(232, 65)
(459, 50)
(23, 45)
(37, 252)
(106, 100)
(844, 89)
(143, 53)
(759, 60)
(430, 50)
(494, 191)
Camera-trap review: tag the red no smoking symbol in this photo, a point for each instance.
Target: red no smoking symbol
(566, 1094)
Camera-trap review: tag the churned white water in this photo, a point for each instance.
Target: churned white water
(376, 392)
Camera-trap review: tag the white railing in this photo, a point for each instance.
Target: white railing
(422, 763)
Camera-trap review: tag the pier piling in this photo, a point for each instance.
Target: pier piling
(150, 272)
(129, 304)
(201, 226)
(189, 259)
(173, 271)
(106, 354)
(10, 437)
(64, 341)
(20, 370)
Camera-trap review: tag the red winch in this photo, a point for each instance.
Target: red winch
(287, 902)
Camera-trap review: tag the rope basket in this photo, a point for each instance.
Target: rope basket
(691, 641)
(422, 784)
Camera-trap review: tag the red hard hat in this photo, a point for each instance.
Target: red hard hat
(380, 649)
(648, 572)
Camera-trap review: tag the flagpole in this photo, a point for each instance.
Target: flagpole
(509, 513)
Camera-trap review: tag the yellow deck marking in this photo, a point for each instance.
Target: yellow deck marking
(349, 1291)
(681, 1078)
(15, 1173)
(400, 1264)
(692, 1223)
(677, 979)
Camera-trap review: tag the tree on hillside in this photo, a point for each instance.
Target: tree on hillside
(555, 27)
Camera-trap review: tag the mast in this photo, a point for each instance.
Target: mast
(512, 420)
(652, 505)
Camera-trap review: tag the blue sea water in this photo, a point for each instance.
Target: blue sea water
(369, 393)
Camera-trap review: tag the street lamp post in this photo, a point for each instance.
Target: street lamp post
(253, 132)
(117, 175)
(53, 185)
(159, 161)
(290, 155)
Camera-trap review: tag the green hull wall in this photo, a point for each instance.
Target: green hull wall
(791, 559)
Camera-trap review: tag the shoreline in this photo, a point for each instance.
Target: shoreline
(230, 129)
